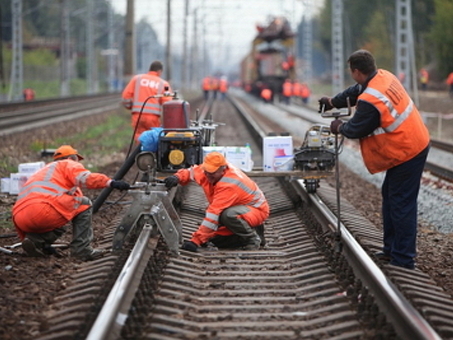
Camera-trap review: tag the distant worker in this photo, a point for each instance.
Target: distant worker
(52, 197)
(424, 78)
(296, 91)
(450, 83)
(394, 139)
(223, 87)
(304, 93)
(237, 207)
(206, 86)
(266, 95)
(215, 84)
(287, 91)
(28, 94)
(138, 94)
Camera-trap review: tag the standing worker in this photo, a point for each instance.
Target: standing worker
(287, 91)
(237, 207)
(28, 94)
(52, 197)
(393, 138)
(206, 86)
(137, 95)
(424, 78)
(450, 84)
(223, 87)
(266, 95)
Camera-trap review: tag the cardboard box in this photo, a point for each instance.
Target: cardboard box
(208, 149)
(275, 147)
(30, 168)
(5, 185)
(17, 181)
(239, 156)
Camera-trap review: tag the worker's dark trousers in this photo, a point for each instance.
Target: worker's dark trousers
(399, 210)
(82, 231)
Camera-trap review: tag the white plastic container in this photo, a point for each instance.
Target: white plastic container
(17, 181)
(275, 147)
(30, 168)
(239, 156)
(5, 185)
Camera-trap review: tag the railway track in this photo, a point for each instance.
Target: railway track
(309, 281)
(17, 117)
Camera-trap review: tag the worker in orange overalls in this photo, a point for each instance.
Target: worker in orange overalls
(266, 94)
(137, 97)
(237, 207)
(304, 93)
(223, 87)
(28, 94)
(52, 197)
(287, 91)
(206, 86)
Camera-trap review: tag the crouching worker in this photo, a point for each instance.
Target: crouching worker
(51, 198)
(237, 207)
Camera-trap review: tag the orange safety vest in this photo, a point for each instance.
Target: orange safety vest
(266, 94)
(206, 84)
(141, 88)
(304, 91)
(223, 87)
(56, 186)
(234, 188)
(402, 134)
(296, 89)
(450, 79)
(287, 89)
(424, 76)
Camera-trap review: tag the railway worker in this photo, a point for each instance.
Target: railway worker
(424, 78)
(206, 86)
(215, 84)
(287, 91)
(137, 95)
(51, 198)
(237, 207)
(223, 87)
(449, 82)
(393, 138)
(266, 94)
(304, 93)
(28, 94)
(296, 91)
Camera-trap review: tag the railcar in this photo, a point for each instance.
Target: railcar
(271, 59)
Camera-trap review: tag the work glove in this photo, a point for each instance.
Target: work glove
(324, 102)
(120, 185)
(335, 126)
(171, 181)
(190, 246)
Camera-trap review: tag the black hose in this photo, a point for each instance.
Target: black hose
(118, 176)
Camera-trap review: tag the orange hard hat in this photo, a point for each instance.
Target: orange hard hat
(65, 151)
(213, 161)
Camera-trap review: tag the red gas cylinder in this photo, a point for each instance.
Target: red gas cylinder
(175, 114)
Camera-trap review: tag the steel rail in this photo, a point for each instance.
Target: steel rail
(113, 314)
(408, 322)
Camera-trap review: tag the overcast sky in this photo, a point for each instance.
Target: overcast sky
(229, 24)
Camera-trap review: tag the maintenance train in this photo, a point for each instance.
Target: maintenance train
(271, 59)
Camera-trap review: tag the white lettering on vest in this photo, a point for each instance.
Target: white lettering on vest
(149, 83)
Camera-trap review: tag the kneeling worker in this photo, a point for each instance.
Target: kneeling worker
(52, 197)
(237, 207)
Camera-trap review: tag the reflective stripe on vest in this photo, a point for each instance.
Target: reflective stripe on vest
(147, 107)
(399, 118)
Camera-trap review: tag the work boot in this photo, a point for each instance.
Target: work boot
(32, 249)
(383, 256)
(91, 255)
(253, 242)
(260, 231)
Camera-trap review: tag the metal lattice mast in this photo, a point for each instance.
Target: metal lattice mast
(64, 49)
(17, 67)
(90, 47)
(337, 47)
(307, 42)
(111, 55)
(405, 54)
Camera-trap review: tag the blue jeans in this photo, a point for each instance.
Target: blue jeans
(399, 210)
